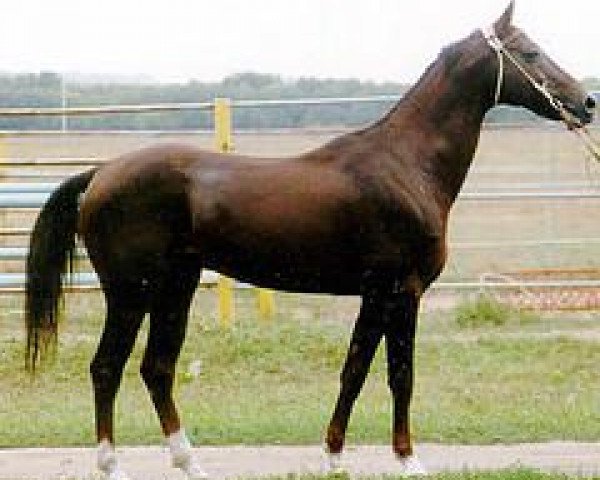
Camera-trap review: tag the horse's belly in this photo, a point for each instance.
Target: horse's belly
(292, 272)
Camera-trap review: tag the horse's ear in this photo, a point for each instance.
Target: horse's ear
(503, 24)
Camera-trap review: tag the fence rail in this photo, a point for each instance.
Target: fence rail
(48, 162)
(196, 106)
(11, 283)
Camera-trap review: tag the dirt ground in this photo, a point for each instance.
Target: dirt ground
(152, 463)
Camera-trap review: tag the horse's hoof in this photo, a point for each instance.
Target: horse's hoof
(333, 464)
(116, 474)
(190, 468)
(411, 466)
(194, 472)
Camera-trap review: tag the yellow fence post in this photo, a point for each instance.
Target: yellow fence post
(3, 153)
(265, 302)
(222, 116)
(223, 125)
(225, 303)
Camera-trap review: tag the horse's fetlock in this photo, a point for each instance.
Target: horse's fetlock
(335, 439)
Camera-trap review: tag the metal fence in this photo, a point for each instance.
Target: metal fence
(17, 195)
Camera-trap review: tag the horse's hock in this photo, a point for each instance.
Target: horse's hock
(552, 289)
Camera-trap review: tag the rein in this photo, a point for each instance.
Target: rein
(570, 120)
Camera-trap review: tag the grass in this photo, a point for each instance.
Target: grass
(486, 311)
(272, 383)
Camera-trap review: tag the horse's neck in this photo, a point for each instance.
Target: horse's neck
(439, 122)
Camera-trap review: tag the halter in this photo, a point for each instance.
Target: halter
(498, 47)
(572, 122)
(501, 51)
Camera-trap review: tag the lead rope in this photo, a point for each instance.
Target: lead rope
(572, 122)
(589, 142)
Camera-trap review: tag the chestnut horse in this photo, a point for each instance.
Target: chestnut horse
(365, 214)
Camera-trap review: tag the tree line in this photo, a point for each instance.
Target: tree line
(46, 89)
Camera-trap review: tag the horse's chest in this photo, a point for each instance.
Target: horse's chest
(408, 249)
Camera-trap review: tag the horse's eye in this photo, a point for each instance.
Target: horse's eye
(530, 56)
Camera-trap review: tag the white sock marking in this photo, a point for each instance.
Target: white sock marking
(181, 456)
(411, 466)
(108, 463)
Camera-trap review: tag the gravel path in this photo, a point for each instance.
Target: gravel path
(152, 463)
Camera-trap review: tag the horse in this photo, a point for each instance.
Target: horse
(365, 214)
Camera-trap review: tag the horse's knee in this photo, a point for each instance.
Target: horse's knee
(105, 375)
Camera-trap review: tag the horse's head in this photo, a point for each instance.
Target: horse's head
(525, 76)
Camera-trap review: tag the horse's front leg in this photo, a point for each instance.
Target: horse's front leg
(365, 339)
(400, 320)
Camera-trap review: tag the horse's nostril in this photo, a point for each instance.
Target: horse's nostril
(590, 102)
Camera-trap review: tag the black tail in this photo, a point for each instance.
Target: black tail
(51, 249)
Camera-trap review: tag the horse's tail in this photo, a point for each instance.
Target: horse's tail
(51, 250)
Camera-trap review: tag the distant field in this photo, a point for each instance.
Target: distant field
(507, 157)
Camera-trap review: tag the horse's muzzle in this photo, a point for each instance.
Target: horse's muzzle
(579, 114)
(590, 102)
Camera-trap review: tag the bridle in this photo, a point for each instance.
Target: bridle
(572, 122)
(502, 52)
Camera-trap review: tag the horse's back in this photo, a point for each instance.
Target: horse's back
(238, 213)
(281, 185)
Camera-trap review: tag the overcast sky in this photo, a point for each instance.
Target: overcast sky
(209, 39)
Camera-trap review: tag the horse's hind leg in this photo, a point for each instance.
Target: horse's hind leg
(168, 321)
(125, 311)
